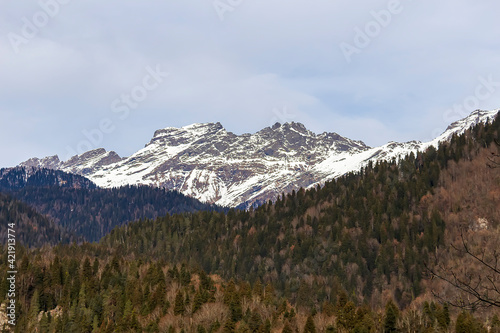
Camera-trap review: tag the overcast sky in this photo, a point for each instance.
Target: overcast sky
(86, 74)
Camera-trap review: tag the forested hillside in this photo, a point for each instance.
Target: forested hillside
(28, 227)
(93, 213)
(76, 204)
(368, 233)
(368, 252)
(21, 177)
(70, 289)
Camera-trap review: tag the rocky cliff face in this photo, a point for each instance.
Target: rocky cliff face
(84, 164)
(211, 164)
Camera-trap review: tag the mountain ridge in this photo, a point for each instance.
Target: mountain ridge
(205, 161)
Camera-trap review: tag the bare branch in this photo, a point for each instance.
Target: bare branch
(481, 260)
(478, 285)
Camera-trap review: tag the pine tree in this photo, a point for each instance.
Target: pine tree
(495, 324)
(235, 308)
(95, 267)
(233, 299)
(179, 308)
(257, 288)
(443, 317)
(467, 323)
(197, 302)
(245, 290)
(185, 276)
(86, 270)
(95, 324)
(391, 317)
(44, 324)
(268, 294)
(463, 323)
(346, 315)
(267, 326)
(429, 315)
(34, 310)
(304, 295)
(254, 322)
(309, 327)
(56, 272)
(328, 309)
(229, 326)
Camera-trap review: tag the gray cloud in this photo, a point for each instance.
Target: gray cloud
(264, 56)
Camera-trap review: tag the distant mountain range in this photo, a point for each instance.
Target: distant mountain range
(213, 165)
(73, 207)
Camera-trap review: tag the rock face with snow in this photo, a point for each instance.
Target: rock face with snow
(213, 165)
(85, 164)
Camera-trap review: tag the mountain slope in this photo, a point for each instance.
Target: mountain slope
(21, 177)
(91, 214)
(330, 258)
(369, 233)
(75, 203)
(206, 162)
(337, 165)
(30, 228)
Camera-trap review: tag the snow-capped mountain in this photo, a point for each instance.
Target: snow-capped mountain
(335, 166)
(213, 165)
(85, 164)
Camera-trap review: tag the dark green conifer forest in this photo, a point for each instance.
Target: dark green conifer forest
(372, 251)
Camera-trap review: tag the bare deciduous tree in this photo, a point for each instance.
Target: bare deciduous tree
(494, 159)
(476, 276)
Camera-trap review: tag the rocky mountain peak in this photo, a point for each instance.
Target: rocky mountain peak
(49, 162)
(83, 164)
(85, 157)
(205, 161)
(173, 135)
(474, 118)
